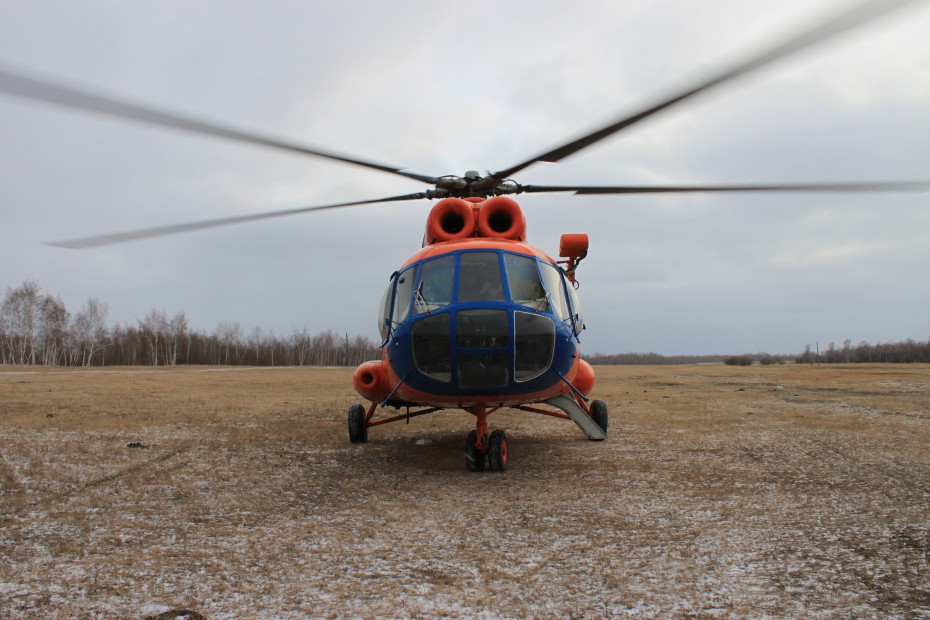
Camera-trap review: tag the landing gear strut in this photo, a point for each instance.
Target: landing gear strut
(475, 459)
(482, 449)
(493, 456)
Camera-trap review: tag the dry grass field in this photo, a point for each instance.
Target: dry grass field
(763, 491)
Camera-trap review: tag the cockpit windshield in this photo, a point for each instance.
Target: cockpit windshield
(480, 277)
(526, 288)
(434, 291)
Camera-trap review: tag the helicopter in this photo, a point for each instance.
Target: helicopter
(477, 319)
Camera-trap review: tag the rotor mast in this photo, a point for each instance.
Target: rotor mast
(473, 185)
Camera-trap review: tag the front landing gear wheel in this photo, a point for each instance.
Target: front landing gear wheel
(358, 424)
(599, 413)
(497, 451)
(474, 458)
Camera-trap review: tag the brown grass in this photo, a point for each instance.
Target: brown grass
(722, 491)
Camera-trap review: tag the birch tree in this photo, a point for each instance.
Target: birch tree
(89, 330)
(22, 309)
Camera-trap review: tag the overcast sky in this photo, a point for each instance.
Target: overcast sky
(439, 88)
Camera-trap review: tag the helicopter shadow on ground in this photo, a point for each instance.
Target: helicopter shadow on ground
(434, 450)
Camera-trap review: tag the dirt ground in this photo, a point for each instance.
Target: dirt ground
(763, 491)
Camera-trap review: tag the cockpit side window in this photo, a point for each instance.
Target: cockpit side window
(553, 279)
(384, 325)
(526, 288)
(403, 292)
(575, 302)
(434, 290)
(480, 277)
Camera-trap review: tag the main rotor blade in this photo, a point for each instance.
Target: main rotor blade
(84, 243)
(868, 186)
(19, 85)
(843, 21)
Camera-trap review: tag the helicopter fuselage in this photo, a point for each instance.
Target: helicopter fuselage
(478, 318)
(477, 321)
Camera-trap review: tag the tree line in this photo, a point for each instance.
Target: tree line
(635, 359)
(36, 328)
(903, 352)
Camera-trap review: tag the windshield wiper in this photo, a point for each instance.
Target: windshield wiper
(420, 302)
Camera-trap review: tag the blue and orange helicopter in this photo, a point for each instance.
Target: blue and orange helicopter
(477, 319)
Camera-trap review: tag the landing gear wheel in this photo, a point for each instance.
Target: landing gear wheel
(358, 424)
(599, 413)
(497, 451)
(474, 458)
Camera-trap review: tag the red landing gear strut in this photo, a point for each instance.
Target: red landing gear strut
(483, 449)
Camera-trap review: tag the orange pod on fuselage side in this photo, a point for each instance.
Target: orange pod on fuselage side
(584, 378)
(370, 380)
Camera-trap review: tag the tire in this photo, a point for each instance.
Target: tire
(474, 458)
(599, 413)
(358, 424)
(497, 451)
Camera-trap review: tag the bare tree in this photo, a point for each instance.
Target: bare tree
(302, 342)
(53, 329)
(6, 338)
(22, 308)
(89, 330)
(154, 328)
(229, 336)
(257, 344)
(175, 331)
